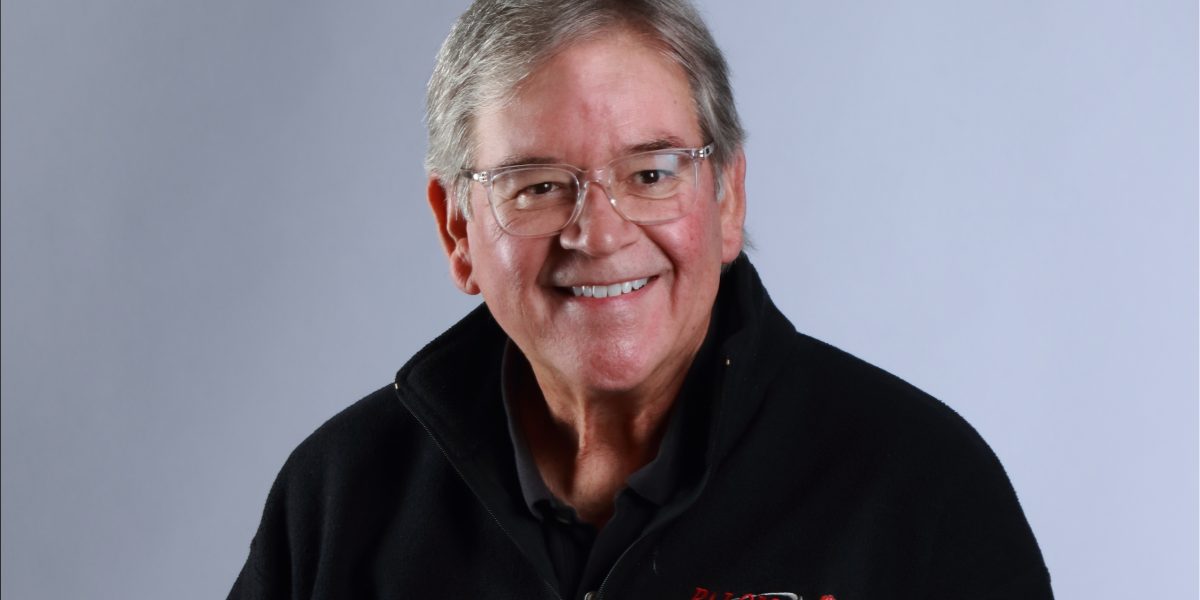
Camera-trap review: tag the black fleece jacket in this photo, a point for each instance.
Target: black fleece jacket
(823, 476)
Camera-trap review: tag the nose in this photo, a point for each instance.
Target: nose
(599, 230)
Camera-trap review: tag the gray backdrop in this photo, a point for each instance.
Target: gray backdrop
(215, 237)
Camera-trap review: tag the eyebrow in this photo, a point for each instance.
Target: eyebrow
(657, 144)
(514, 160)
(663, 143)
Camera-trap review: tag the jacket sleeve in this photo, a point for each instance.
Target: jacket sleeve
(266, 573)
(983, 545)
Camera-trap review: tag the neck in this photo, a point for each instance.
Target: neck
(587, 445)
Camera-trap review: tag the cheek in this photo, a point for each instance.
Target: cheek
(694, 241)
(503, 265)
(488, 246)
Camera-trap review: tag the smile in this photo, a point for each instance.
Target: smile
(608, 291)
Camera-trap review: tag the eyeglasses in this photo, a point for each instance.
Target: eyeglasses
(647, 188)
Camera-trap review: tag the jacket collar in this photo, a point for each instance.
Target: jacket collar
(452, 388)
(751, 355)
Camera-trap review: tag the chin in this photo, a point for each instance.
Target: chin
(615, 374)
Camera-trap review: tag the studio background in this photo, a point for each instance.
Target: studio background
(215, 237)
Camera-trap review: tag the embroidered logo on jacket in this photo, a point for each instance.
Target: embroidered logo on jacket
(705, 594)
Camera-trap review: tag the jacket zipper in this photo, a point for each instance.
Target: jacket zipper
(446, 455)
(607, 576)
(646, 534)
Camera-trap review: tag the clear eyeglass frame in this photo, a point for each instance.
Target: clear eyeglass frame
(604, 177)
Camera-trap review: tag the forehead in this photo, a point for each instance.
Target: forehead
(594, 98)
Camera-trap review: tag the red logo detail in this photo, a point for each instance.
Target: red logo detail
(828, 597)
(705, 594)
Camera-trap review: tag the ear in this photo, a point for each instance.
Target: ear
(733, 206)
(452, 230)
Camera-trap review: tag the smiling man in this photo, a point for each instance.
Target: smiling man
(627, 415)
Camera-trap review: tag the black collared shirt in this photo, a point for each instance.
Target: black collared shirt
(580, 554)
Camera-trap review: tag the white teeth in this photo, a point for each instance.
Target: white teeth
(606, 291)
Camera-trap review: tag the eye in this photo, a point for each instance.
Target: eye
(651, 176)
(540, 189)
(542, 194)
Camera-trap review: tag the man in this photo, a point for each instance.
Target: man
(628, 415)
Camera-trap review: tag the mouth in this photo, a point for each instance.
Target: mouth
(609, 290)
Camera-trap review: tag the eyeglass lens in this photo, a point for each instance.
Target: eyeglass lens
(651, 187)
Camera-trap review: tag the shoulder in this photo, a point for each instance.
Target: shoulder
(380, 439)
(817, 390)
(911, 453)
(368, 421)
(844, 444)
(839, 399)
(371, 436)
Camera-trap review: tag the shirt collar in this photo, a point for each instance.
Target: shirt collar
(513, 367)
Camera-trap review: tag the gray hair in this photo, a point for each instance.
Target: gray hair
(497, 43)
